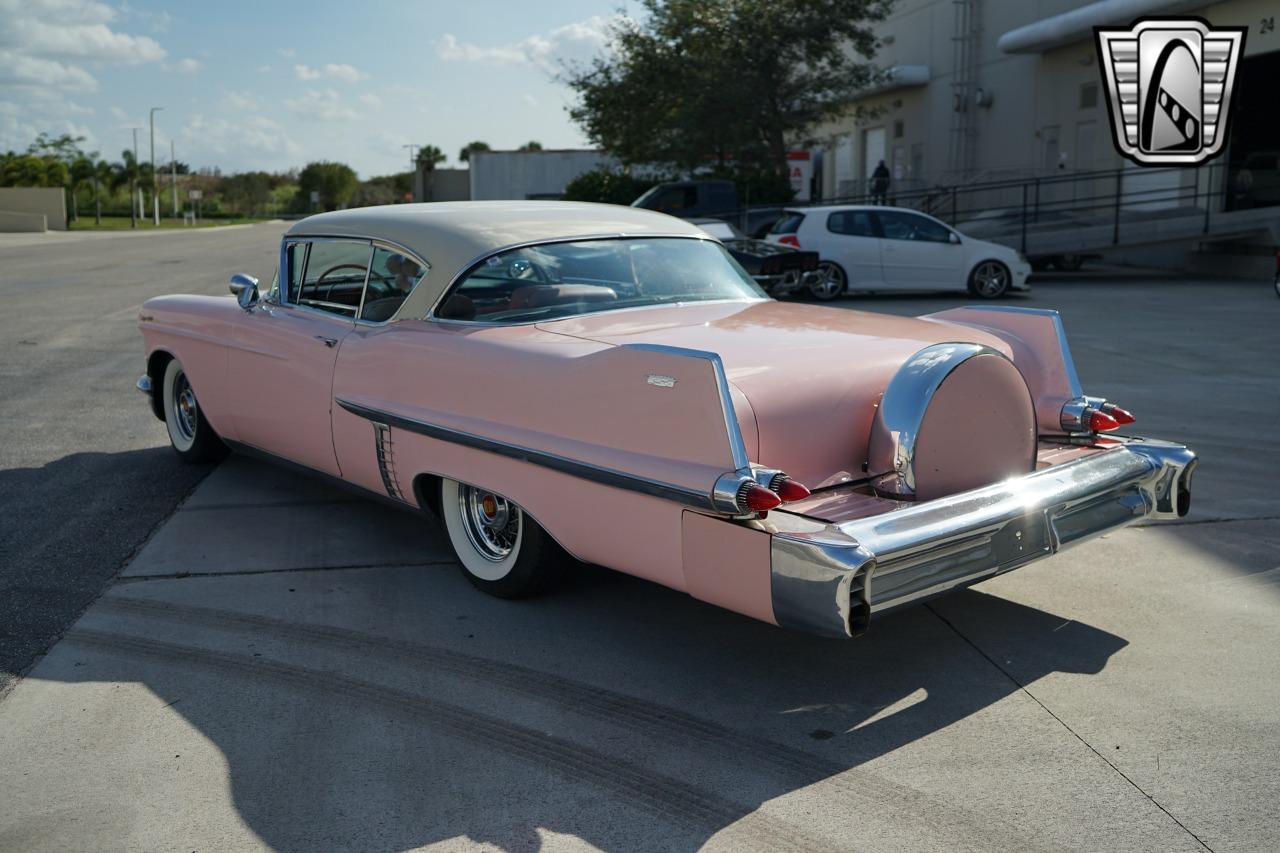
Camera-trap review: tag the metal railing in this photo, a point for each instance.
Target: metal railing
(1017, 209)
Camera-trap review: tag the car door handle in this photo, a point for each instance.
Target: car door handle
(329, 342)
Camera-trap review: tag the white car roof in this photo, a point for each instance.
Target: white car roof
(832, 208)
(451, 235)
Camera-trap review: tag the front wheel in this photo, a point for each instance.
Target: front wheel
(989, 280)
(189, 433)
(830, 284)
(501, 550)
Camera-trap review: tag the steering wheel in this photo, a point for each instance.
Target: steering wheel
(334, 269)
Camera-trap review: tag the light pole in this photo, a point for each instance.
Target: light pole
(173, 175)
(133, 183)
(413, 163)
(155, 184)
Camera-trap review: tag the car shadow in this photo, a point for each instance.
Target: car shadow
(395, 708)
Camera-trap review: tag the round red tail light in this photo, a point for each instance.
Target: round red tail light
(753, 497)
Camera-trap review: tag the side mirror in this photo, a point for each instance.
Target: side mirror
(953, 238)
(245, 288)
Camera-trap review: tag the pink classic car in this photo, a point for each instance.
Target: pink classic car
(554, 379)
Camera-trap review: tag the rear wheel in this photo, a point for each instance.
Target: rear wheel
(989, 280)
(1068, 263)
(501, 550)
(189, 433)
(830, 284)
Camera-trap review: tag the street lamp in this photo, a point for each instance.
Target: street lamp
(133, 183)
(155, 185)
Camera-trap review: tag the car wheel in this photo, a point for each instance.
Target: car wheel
(502, 550)
(1277, 285)
(989, 280)
(831, 284)
(189, 433)
(1068, 263)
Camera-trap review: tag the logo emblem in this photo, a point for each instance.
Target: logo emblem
(1168, 84)
(659, 381)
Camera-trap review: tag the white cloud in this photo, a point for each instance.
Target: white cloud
(324, 104)
(331, 71)
(239, 101)
(75, 30)
(576, 41)
(264, 69)
(529, 99)
(286, 52)
(183, 66)
(219, 136)
(371, 100)
(18, 69)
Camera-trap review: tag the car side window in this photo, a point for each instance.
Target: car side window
(676, 199)
(295, 260)
(853, 223)
(909, 226)
(392, 277)
(333, 279)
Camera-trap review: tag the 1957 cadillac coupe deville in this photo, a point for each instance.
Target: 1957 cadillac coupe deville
(606, 381)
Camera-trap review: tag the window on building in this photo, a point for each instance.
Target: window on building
(898, 129)
(1088, 96)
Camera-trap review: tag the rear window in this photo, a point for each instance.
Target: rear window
(788, 224)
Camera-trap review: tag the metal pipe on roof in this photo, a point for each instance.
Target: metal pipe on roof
(1078, 24)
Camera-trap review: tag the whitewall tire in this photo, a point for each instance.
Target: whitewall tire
(189, 432)
(500, 549)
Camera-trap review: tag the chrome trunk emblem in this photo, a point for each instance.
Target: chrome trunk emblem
(1168, 83)
(660, 381)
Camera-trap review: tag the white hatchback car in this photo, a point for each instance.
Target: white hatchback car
(891, 248)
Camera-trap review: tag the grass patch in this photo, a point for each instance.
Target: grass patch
(124, 223)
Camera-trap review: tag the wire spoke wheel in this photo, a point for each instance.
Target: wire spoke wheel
(491, 522)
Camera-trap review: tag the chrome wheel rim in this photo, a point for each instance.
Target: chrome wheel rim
(831, 284)
(185, 410)
(991, 279)
(492, 522)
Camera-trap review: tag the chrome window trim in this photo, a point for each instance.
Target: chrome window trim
(471, 265)
(374, 243)
(475, 324)
(584, 470)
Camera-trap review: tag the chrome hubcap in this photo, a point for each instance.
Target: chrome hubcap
(990, 279)
(184, 407)
(492, 522)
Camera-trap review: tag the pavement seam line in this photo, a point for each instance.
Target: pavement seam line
(1022, 688)
(243, 572)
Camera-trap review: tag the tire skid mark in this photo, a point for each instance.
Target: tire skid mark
(864, 793)
(668, 798)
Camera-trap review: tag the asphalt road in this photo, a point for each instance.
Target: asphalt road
(84, 477)
(336, 684)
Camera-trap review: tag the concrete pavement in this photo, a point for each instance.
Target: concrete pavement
(283, 666)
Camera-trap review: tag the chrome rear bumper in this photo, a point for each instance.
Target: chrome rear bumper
(829, 578)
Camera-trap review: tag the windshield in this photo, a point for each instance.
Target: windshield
(557, 280)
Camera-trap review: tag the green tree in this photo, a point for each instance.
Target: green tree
(80, 176)
(531, 145)
(335, 182)
(429, 156)
(728, 83)
(470, 148)
(246, 193)
(127, 173)
(610, 186)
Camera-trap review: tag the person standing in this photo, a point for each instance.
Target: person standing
(880, 184)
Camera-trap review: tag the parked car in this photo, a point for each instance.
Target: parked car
(780, 270)
(891, 248)
(555, 379)
(707, 199)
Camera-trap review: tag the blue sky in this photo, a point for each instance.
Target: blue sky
(270, 85)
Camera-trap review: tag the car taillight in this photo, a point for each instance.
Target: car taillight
(1102, 422)
(753, 497)
(1120, 415)
(790, 490)
(790, 240)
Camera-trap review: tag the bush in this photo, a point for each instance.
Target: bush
(609, 186)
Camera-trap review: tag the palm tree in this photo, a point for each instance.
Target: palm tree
(103, 172)
(126, 172)
(429, 157)
(80, 175)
